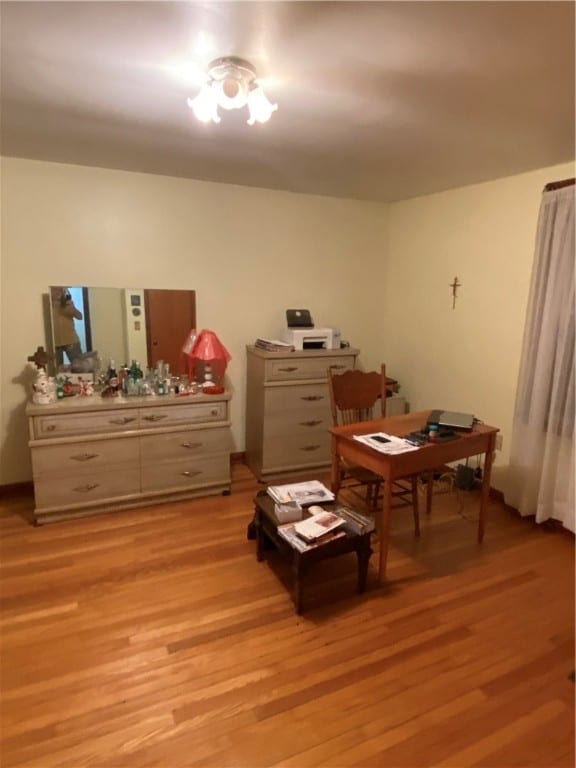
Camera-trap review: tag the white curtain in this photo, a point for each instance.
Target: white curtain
(542, 459)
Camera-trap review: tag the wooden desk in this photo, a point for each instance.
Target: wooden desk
(481, 439)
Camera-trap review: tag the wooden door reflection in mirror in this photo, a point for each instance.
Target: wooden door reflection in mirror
(170, 316)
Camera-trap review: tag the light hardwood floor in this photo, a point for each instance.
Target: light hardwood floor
(154, 638)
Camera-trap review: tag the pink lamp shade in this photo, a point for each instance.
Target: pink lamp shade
(206, 349)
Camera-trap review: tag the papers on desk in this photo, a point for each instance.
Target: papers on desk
(384, 443)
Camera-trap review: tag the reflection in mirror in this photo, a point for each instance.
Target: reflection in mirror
(91, 326)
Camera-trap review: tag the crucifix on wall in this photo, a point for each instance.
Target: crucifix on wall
(455, 285)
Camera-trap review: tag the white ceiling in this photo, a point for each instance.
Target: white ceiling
(377, 100)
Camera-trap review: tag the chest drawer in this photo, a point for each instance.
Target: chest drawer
(90, 455)
(83, 488)
(297, 409)
(61, 425)
(306, 368)
(181, 445)
(193, 472)
(297, 399)
(176, 415)
(293, 451)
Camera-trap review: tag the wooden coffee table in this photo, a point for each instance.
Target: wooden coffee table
(264, 528)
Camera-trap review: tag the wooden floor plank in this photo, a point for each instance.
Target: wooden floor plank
(153, 638)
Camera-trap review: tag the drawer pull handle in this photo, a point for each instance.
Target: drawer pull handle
(155, 417)
(310, 447)
(336, 367)
(84, 456)
(311, 423)
(191, 445)
(187, 473)
(123, 420)
(290, 369)
(50, 427)
(214, 412)
(312, 398)
(86, 488)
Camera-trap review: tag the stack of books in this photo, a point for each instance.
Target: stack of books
(273, 345)
(317, 528)
(354, 521)
(314, 531)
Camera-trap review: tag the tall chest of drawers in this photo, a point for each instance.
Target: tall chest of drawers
(94, 455)
(288, 408)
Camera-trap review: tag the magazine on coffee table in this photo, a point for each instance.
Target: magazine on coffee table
(317, 526)
(288, 533)
(305, 494)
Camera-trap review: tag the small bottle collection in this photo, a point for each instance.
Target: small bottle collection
(131, 381)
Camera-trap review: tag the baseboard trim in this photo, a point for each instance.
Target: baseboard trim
(16, 489)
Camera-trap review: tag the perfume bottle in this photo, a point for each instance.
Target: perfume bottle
(113, 380)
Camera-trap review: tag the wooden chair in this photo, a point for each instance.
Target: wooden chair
(361, 396)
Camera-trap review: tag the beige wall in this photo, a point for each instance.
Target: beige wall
(380, 272)
(465, 358)
(248, 253)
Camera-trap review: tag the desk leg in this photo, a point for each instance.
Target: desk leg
(335, 469)
(385, 527)
(488, 458)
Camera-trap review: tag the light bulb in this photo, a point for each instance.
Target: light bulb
(259, 106)
(230, 93)
(204, 105)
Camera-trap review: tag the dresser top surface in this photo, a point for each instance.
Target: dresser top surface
(301, 353)
(79, 404)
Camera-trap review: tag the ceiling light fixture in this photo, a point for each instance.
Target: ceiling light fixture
(231, 84)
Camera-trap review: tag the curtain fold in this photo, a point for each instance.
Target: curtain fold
(542, 457)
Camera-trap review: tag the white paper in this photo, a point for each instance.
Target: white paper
(383, 443)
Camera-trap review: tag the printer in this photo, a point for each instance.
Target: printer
(312, 338)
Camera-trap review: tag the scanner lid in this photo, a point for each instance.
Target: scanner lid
(299, 318)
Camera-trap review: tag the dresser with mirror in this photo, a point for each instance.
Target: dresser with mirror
(99, 454)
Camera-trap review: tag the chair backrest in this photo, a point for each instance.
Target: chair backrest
(355, 394)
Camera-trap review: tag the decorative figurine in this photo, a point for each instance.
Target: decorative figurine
(86, 387)
(44, 388)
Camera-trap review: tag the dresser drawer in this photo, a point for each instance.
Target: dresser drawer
(60, 425)
(188, 473)
(176, 415)
(296, 451)
(297, 399)
(297, 410)
(306, 368)
(179, 445)
(90, 455)
(81, 488)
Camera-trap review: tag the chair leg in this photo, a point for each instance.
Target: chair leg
(415, 506)
(368, 494)
(375, 494)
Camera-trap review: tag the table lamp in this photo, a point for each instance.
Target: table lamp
(207, 358)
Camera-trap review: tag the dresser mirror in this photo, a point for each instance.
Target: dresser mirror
(91, 326)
